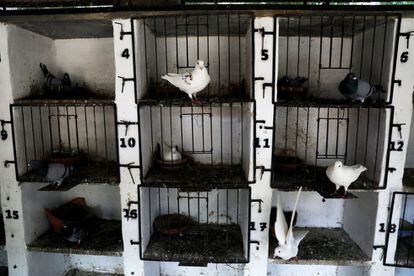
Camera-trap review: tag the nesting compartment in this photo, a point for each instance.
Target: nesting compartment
(195, 227)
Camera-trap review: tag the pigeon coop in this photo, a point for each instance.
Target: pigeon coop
(315, 124)
(209, 185)
(53, 122)
(399, 248)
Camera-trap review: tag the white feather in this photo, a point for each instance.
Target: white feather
(288, 244)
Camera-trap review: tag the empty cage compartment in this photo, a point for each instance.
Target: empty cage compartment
(195, 227)
(65, 144)
(214, 141)
(173, 44)
(399, 248)
(309, 138)
(318, 51)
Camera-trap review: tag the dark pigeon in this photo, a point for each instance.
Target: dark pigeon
(354, 89)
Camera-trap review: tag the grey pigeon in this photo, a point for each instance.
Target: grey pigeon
(52, 82)
(354, 89)
(51, 172)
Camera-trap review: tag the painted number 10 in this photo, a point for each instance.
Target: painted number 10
(127, 143)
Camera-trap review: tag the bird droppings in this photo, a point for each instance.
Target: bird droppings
(89, 173)
(104, 239)
(76, 272)
(199, 245)
(404, 254)
(313, 178)
(324, 246)
(197, 177)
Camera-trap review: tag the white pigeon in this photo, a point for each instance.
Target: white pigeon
(288, 241)
(342, 175)
(190, 83)
(171, 153)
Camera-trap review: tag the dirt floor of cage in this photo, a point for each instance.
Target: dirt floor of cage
(166, 92)
(324, 246)
(198, 245)
(204, 101)
(196, 177)
(404, 254)
(76, 272)
(104, 239)
(314, 178)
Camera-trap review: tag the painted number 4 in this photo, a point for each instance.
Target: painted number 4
(125, 54)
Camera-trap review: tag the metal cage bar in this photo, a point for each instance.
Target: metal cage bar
(54, 132)
(404, 251)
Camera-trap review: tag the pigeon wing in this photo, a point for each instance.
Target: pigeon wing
(290, 238)
(280, 223)
(299, 236)
(364, 89)
(181, 81)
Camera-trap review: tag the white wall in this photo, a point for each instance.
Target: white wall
(56, 264)
(27, 50)
(316, 270)
(172, 269)
(89, 62)
(359, 219)
(312, 211)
